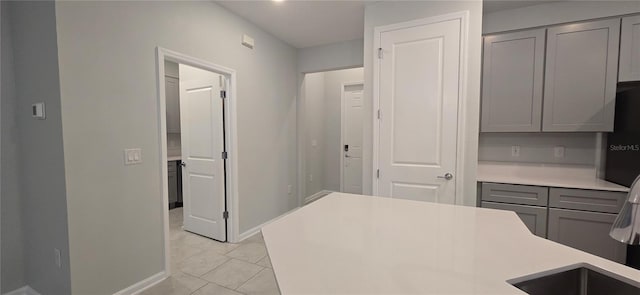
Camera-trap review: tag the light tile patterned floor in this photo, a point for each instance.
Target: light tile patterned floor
(202, 266)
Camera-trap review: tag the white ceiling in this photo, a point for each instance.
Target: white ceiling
(307, 23)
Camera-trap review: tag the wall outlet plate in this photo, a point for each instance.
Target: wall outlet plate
(132, 156)
(558, 151)
(515, 151)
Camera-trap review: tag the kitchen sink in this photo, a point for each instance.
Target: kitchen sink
(580, 280)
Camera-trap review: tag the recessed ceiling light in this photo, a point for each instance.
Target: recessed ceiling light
(278, 0)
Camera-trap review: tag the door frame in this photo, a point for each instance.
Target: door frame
(342, 121)
(231, 142)
(463, 16)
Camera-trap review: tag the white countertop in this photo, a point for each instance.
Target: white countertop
(353, 244)
(174, 158)
(567, 176)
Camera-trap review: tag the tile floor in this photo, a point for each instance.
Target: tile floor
(202, 266)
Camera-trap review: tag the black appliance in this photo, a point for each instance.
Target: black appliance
(623, 147)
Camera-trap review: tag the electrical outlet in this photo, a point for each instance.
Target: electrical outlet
(515, 151)
(558, 151)
(310, 177)
(132, 156)
(289, 189)
(57, 258)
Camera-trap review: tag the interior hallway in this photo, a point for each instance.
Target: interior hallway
(203, 266)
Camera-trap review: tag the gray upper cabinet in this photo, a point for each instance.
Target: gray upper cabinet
(630, 49)
(512, 79)
(172, 94)
(580, 76)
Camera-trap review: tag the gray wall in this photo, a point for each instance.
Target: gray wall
(315, 116)
(384, 13)
(11, 253)
(333, 103)
(322, 117)
(108, 84)
(44, 205)
(555, 13)
(341, 55)
(580, 148)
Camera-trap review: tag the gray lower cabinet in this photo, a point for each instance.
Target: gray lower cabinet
(173, 183)
(535, 218)
(512, 77)
(580, 76)
(630, 49)
(587, 231)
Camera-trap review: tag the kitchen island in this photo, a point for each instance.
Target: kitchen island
(354, 244)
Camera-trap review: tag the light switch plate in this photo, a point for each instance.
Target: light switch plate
(247, 41)
(132, 156)
(37, 111)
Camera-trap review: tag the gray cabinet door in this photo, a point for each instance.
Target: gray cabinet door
(172, 181)
(535, 218)
(580, 76)
(512, 77)
(586, 231)
(630, 49)
(172, 95)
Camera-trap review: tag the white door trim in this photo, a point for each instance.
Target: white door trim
(342, 131)
(231, 142)
(463, 16)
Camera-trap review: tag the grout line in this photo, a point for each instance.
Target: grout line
(257, 273)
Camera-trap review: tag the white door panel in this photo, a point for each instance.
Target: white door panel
(202, 146)
(418, 100)
(352, 137)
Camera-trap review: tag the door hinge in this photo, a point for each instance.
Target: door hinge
(225, 214)
(380, 53)
(225, 155)
(378, 173)
(223, 94)
(379, 114)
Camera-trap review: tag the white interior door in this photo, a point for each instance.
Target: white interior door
(201, 121)
(352, 139)
(418, 100)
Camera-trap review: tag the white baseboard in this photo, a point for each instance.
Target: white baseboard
(144, 284)
(249, 233)
(26, 290)
(310, 199)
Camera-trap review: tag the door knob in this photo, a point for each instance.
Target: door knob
(447, 176)
(183, 164)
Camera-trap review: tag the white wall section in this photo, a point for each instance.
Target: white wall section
(42, 169)
(12, 265)
(322, 125)
(579, 148)
(333, 81)
(315, 116)
(108, 83)
(342, 55)
(385, 13)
